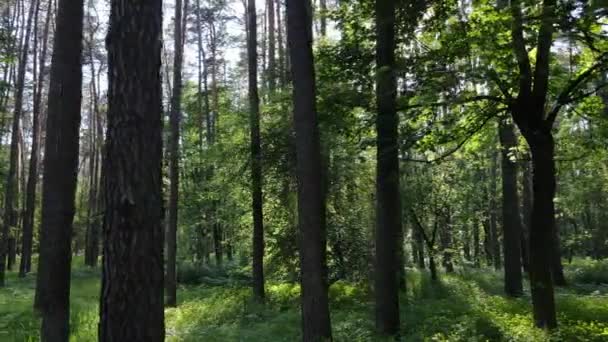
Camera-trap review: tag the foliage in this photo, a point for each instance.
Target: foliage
(467, 306)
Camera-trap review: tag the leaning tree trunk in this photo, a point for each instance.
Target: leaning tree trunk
(541, 232)
(388, 204)
(132, 279)
(316, 324)
(511, 221)
(256, 152)
(60, 172)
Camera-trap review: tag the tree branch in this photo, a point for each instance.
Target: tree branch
(565, 98)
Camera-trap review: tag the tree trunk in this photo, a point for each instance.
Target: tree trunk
(323, 17)
(132, 279)
(30, 204)
(281, 47)
(11, 192)
(256, 153)
(541, 230)
(272, 67)
(316, 324)
(526, 214)
(495, 245)
(446, 244)
(511, 221)
(557, 269)
(476, 249)
(171, 276)
(388, 205)
(60, 172)
(433, 267)
(217, 243)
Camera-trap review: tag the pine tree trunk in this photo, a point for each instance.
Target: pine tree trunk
(133, 231)
(60, 172)
(256, 153)
(511, 221)
(316, 324)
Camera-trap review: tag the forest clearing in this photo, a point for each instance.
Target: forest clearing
(314, 170)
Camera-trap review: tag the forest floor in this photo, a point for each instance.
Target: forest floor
(465, 306)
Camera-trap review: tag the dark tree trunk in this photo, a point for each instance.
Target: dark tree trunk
(526, 214)
(132, 281)
(171, 276)
(60, 172)
(557, 269)
(388, 205)
(316, 324)
(11, 190)
(30, 203)
(433, 267)
(511, 221)
(256, 153)
(541, 232)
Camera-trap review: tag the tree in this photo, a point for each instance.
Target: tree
(171, 280)
(131, 306)
(535, 117)
(11, 190)
(511, 220)
(256, 153)
(388, 205)
(32, 181)
(311, 203)
(60, 173)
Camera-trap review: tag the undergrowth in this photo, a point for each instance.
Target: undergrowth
(215, 305)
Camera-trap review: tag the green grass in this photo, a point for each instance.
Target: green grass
(467, 306)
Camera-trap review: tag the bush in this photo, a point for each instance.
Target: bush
(587, 271)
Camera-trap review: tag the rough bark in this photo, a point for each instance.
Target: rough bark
(60, 172)
(256, 152)
(132, 280)
(316, 324)
(511, 222)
